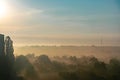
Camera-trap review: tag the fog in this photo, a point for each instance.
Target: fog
(100, 52)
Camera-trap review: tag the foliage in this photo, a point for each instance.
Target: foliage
(67, 68)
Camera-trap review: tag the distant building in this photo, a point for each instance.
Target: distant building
(1, 44)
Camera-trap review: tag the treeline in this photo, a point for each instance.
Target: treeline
(31, 67)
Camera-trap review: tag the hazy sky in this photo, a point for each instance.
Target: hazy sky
(69, 22)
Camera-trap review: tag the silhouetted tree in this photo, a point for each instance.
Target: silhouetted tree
(25, 68)
(7, 59)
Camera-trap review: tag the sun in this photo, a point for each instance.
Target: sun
(3, 9)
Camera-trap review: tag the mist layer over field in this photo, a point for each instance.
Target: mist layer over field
(103, 52)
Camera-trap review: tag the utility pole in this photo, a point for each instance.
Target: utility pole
(101, 42)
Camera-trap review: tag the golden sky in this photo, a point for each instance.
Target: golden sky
(57, 22)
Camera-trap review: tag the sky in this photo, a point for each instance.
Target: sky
(61, 22)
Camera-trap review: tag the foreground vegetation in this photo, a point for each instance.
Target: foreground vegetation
(42, 67)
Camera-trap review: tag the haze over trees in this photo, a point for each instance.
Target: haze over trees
(67, 68)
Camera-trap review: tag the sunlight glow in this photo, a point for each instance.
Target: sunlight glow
(3, 9)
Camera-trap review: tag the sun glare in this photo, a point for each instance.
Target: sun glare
(3, 9)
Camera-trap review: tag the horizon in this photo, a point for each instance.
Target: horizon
(63, 46)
